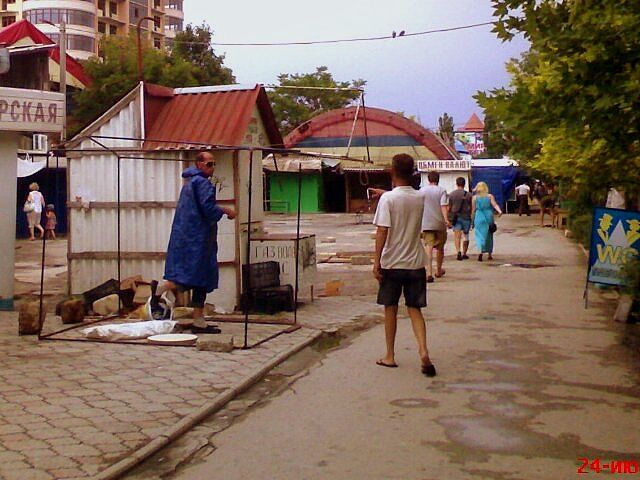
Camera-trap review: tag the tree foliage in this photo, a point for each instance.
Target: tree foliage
(446, 129)
(495, 140)
(572, 110)
(194, 45)
(116, 72)
(293, 107)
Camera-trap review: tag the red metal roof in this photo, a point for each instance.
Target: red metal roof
(212, 115)
(23, 29)
(339, 123)
(474, 124)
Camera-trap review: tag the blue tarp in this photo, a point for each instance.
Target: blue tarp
(460, 147)
(500, 180)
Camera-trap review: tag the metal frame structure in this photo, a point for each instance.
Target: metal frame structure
(138, 154)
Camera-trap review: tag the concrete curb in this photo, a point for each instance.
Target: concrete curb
(116, 470)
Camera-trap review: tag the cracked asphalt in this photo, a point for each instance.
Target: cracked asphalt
(529, 383)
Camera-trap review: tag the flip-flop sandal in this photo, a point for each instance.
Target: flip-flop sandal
(388, 365)
(441, 274)
(429, 370)
(207, 329)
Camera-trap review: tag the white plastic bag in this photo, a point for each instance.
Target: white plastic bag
(129, 331)
(166, 303)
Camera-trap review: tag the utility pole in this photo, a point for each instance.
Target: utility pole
(62, 48)
(63, 77)
(138, 27)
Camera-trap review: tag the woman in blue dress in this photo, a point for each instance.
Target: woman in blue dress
(482, 207)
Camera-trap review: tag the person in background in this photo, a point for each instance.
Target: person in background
(539, 191)
(435, 221)
(192, 262)
(50, 223)
(482, 208)
(460, 217)
(399, 260)
(34, 217)
(548, 204)
(523, 193)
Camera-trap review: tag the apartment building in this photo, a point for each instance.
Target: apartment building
(88, 20)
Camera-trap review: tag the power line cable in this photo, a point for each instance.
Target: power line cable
(402, 34)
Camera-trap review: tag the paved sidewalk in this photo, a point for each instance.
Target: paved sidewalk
(69, 410)
(73, 409)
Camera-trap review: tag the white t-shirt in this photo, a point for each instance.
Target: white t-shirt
(401, 211)
(36, 198)
(523, 189)
(434, 197)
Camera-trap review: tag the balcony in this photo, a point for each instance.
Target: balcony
(173, 12)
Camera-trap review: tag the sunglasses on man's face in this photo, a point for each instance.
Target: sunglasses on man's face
(210, 164)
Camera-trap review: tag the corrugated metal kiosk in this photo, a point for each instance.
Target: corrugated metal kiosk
(175, 125)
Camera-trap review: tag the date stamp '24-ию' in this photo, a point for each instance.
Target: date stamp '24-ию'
(596, 465)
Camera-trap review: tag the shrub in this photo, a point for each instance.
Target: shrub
(580, 226)
(631, 272)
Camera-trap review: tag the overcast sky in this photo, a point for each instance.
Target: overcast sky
(423, 76)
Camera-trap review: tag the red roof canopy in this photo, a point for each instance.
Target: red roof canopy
(474, 124)
(339, 123)
(211, 115)
(24, 29)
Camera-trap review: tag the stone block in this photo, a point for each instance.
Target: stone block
(323, 257)
(624, 308)
(182, 312)
(131, 283)
(28, 319)
(72, 311)
(106, 305)
(143, 292)
(361, 260)
(215, 342)
(59, 304)
(329, 240)
(332, 288)
(140, 312)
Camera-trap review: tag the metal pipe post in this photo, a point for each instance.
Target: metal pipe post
(63, 77)
(247, 287)
(295, 302)
(366, 132)
(119, 240)
(41, 313)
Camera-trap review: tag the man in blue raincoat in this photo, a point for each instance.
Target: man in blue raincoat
(192, 262)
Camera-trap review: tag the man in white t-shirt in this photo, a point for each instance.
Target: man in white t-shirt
(399, 260)
(523, 192)
(435, 221)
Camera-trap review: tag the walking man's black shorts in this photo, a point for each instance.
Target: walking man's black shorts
(396, 281)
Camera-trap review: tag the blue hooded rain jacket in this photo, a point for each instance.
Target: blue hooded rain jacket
(193, 245)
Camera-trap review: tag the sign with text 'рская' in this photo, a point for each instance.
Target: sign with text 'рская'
(23, 110)
(615, 240)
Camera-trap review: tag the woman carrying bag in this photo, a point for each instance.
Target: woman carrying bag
(33, 208)
(482, 207)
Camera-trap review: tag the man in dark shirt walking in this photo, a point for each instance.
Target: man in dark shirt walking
(460, 216)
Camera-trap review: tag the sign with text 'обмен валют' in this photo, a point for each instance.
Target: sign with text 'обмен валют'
(615, 241)
(443, 165)
(23, 110)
